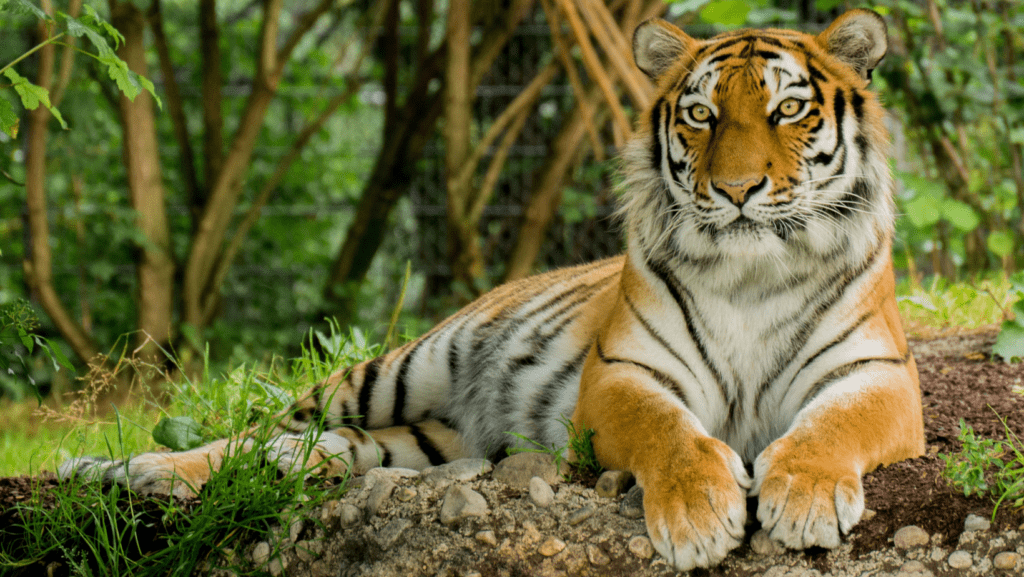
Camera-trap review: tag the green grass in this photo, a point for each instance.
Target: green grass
(988, 467)
(939, 305)
(98, 530)
(580, 448)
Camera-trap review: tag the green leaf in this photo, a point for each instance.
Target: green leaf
(25, 339)
(1000, 242)
(57, 354)
(92, 17)
(1010, 342)
(8, 118)
(32, 96)
(725, 12)
(178, 433)
(960, 214)
(826, 5)
(923, 211)
(118, 71)
(78, 29)
(1017, 135)
(27, 7)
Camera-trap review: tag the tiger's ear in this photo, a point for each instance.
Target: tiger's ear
(658, 44)
(859, 38)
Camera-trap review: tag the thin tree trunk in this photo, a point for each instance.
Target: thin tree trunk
(155, 266)
(38, 263)
(213, 120)
(208, 241)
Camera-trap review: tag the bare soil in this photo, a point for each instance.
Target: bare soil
(959, 380)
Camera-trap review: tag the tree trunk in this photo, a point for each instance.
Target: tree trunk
(155, 266)
(38, 263)
(213, 120)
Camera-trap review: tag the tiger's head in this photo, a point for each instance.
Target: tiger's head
(761, 143)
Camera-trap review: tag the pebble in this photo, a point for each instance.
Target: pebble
(530, 533)
(349, 515)
(551, 546)
(461, 470)
(460, 503)
(960, 560)
(1006, 560)
(909, 537)
(611, 484)
(392, 474)
(913, 567)
(632, 505)
(405, 494)
(261, 553)
(380, 491)
(976, 523)
(486, 537)
(762, 544)
(596, 556)
(867, 515)
(307, 551)
(641, 547)
(517, 470)
(540, 492)
(295, 529)
(277, 566)
(388, 536)
(582, 514)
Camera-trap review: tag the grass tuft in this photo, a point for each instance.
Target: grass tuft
(988, 467)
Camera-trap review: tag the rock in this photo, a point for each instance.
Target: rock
(641, 547)
(762, 544)
(295, 529)
(540, 492)
(261, 553)
(632, 505)
(461, 470)
(392, 474)
(460, 503)
(596, 556)
(913, 567)
(976, 523)
(612, 483)
(486, 537)
(306, 551)
(405, 494)
(960, 560)
(1006, 560)
(277, 566)
(380, 491)
(909, 537)
(551, 546)
(349, 515)
(531, 534)
(582, 514)
(517, 470)
(867, 515)
(390, 533)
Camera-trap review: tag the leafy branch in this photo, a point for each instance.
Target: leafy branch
(90, 26)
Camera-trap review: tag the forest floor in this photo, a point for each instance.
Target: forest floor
(580, 533)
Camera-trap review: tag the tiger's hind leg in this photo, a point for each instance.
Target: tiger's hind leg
(333, 453)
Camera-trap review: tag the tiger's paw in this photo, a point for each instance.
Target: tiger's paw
(696, 508)
(805, 502)
(148, 473)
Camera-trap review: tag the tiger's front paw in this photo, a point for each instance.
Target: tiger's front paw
(696, 507)
(805, 500)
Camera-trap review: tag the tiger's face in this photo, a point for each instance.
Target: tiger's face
(765, 139)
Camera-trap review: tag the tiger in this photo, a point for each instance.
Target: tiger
(746, 345)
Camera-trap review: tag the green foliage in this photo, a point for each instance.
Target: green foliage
(178, 433)
(579, 444)
(988, 467)
(93, 28)
(18, 341)
(1010, 342)
(943, 304)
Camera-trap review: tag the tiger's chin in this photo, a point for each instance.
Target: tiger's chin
(749, 240)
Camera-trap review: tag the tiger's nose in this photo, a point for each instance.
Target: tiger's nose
(739, 191)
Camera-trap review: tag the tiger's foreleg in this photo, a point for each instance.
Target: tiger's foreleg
(694, 485)
(809, 480)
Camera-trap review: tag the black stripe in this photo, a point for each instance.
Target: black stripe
(656, 130)
(549, 392)
(401, 387)
(655, 334)
(370, 372)
(426, 446)
(660, 269)
(858, 104)
(662, 378)
(385, 460)
(844, 370)
(832, 344)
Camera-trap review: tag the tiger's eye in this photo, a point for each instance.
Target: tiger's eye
(700, 113)
(790, 107)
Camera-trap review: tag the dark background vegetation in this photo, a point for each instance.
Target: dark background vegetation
(303, 153)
